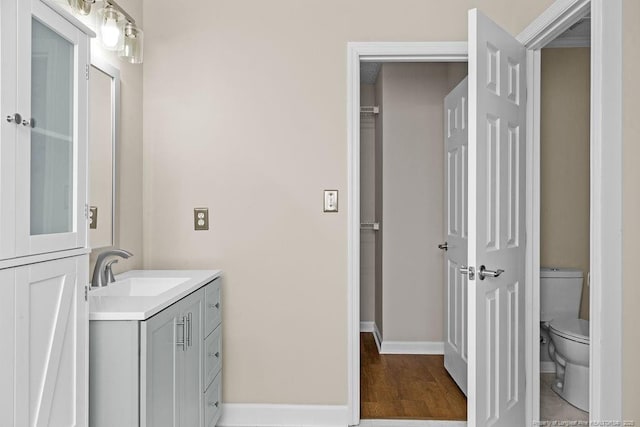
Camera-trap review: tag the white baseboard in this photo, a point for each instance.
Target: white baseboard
(377, 336)
(547, 367)
(242, 415)
(366, 326)
(412, 347)
(411, 423)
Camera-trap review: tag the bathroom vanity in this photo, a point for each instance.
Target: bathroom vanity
(155, 350)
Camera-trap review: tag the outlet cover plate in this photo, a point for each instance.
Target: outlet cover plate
(331, 200)
(200, 219)
(93, 217)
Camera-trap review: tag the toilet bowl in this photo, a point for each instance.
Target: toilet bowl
(569, 349)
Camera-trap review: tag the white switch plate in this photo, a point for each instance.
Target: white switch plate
(331, 200)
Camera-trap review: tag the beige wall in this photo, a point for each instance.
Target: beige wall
(564, 162)
(245, 113)
(129, 153)
(631, 211)
(367, 205)
(412, 217)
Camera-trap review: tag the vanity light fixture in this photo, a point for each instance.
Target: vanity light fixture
(117, 29)
(110, 24)
(82, 7)
(132, 48)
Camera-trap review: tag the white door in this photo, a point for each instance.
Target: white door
(51, 346)
(456, 223)
(496, 375)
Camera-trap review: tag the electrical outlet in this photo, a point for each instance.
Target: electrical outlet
(200, 219)
(93, 217)
(331, 200)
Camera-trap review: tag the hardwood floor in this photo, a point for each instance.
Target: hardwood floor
(415, 387)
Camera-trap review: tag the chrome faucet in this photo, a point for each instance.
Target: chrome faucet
(102, 274)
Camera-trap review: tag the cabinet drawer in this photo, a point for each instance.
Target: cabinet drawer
(213, 402)
(213, 356)
(213, 307)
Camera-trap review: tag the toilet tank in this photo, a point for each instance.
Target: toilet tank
(560, 292)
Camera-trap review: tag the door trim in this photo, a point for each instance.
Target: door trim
(606, 181)
(372, 52)
(605, 391)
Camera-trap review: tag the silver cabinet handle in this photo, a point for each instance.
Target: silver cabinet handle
(14, 118)
(188, 326)
(182, 341)
(489, 273)
(444, 246)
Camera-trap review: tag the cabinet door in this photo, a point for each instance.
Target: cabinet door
(192, 308)
(51, 142)
(8, 130)
(161, 337)
(51, 331)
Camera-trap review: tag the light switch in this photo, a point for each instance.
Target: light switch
(201, 219)
(331, 200)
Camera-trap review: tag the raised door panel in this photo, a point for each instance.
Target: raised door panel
(162, 337)
(51, 331)
(192, 308)
(51, 150)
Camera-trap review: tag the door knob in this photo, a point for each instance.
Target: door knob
(444, 246)
(489, 273)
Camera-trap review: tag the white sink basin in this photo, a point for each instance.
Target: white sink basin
(139, 287)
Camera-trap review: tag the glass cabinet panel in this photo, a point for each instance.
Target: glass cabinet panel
(52, 131)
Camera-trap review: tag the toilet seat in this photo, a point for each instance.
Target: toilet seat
(572, 329)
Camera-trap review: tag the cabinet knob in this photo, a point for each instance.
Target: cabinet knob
(14, 118)
(28, 123)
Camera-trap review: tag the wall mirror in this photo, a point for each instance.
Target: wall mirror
(104, 117)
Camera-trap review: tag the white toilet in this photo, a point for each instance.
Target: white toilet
(567, 336)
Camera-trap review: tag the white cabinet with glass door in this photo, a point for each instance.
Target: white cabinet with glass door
(43, 155)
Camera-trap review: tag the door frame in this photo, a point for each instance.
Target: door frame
(606, 191)
(605, 391)
(372, 52)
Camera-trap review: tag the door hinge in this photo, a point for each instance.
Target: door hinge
(86, 293)
(86, 211)
(86, 71)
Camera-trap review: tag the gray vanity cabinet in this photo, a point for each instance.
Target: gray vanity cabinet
(171, 365)
(158, 372)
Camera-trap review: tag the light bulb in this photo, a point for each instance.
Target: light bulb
(110, 30)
